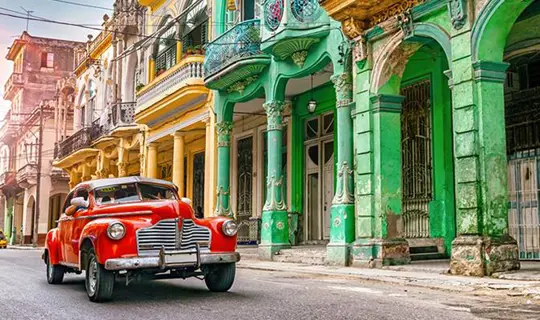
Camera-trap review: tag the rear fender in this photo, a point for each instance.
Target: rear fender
(52, 246)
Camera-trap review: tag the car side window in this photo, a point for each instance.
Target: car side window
(68, 202)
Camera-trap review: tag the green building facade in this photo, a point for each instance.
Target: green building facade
(410, 129)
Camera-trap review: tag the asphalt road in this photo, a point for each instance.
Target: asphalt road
(25, 294)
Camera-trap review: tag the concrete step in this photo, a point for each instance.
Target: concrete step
(303, 255)
(428, 256)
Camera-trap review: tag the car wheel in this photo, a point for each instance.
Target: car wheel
(55, 273)
(99, 282)
(220, 277)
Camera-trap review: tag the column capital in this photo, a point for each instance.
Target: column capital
(152, 145)
(344, 86)
(490, 71)
(274, 112)
(178, 135)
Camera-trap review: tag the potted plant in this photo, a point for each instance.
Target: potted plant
(139, 87)
(189, 50)
(160, 71)
(198, 50)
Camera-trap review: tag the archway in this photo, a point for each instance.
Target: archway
(522, 118)
(416, 153)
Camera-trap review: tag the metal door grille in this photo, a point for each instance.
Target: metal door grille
(244, 195)
(198, 182)
(417, 167)
(523, 191)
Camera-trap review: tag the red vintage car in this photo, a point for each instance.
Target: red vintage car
(138, 228)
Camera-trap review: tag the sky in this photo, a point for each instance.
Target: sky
(11, 28)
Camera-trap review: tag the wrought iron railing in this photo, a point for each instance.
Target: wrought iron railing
(522, 110)
(303, 11)
(79, 140)
(120, 115)
(189, 68)
(243, 40)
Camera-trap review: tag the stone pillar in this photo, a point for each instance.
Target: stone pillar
(152, 169)
(210, 168)
(342, 211)
(120, 79)
(178, 163)
(275, 222)
(483, 245)
(223, 198)
(114, 66)
(378, 183)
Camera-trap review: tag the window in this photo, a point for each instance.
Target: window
(155, 192)
(68, 202)
(47, 60)
(120, 193)
(166, 50)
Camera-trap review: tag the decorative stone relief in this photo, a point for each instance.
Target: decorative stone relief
(343, 84)
(458, 13)
(241, 85)
(405, 23)
(360, 52)
(221, 209)
(274, 110)
(344, 194)
(299, 58)
(224, 130)
(274, 185)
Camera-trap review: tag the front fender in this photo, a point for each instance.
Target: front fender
(52, 245)
(220, 242)
(106, 248)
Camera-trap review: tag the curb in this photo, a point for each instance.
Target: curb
(25, 248)
(448, 283)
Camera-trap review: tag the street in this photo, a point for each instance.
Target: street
(25, 294)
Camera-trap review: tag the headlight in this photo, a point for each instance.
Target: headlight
(116, 230)
(230, 228)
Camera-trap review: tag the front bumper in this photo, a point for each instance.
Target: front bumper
(162, 263)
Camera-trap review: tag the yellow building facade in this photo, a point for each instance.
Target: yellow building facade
(140, 106)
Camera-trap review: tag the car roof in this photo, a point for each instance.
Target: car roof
(99, 183)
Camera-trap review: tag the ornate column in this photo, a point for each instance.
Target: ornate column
(178, 163)
(275, 222)
(152, 169)
(86, 171)
(122, 162)
(342, 211)
(223, 199)
(120, 79)
(210, 166)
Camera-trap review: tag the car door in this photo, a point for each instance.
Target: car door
(64, 224)
(77, 225)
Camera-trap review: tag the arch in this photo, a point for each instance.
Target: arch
(81, 96)
(30, 214)
(391, 61)
(165, 22)
(492, 27)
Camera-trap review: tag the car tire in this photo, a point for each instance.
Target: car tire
(220, 277)
(55, 273)
(99, 281)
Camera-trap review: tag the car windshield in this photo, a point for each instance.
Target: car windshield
(128, 192)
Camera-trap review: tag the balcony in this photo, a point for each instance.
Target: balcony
(235, 58)
(188, 72)
(291, 27)
(120, 115)
(13, 84)
(27, 176)
(58, 174)
(79, 140)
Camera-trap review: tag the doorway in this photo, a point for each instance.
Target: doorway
(319, 177)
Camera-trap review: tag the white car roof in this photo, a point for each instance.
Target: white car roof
(99, 183)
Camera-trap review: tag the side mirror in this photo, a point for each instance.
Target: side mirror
(79, 202)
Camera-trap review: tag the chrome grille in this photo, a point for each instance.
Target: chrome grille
(165, 234)
(193, 234)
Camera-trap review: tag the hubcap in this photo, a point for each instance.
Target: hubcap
(92, 276)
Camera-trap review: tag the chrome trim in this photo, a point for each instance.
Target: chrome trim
(109, 230)
(158, 261)
(111, 215)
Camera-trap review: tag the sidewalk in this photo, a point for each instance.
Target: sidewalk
(525, 282)
(24, 247)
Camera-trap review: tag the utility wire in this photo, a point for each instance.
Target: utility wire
(83, 5)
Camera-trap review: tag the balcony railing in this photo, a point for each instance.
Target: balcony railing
(16, 80)
(243, 40)
(189, 68)
(27, 175)
(7, 178)
(120, 115)
(79, 140)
